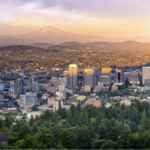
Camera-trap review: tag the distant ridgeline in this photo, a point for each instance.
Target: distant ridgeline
(97, 55)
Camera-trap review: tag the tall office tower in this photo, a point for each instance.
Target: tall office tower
(35, 86)
(89, 77)
(18, 87)
(31, 81)
(104, 81)
(146, 74)
(133, 78)
(119, 78)
(73, 76)
(106, 71)
(56, 103)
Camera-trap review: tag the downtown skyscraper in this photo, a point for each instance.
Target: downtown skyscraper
(73, 76)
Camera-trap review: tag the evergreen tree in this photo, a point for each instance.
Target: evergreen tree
(36, 118)
(114, 134)
(86, 136)
(92, 131)
(55, 117)
(27, 143)
(34, 129)
(84, 118)
(113, 122)
(1, 123)
(66, 140)
(69, 119)
(143, 118)
(7, 122)
(79, 137)
(24, 131)
(99, 117)
(125, 128)
(31, 121)
(79, 108)
(23, 119)
(133, 126)
(47, 115)
(46, 138)
(76, 118)
(64, 114)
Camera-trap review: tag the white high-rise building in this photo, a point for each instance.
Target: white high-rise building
(28, 100)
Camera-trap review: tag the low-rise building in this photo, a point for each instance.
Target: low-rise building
(80, 98)
(57, 102)
(45, 107)
(97, 89)
(126, 102)
(3, 141)
(114, 88)
(87, 88)
(107, 105)
(124, 98)
(33, 114)
(93, 102)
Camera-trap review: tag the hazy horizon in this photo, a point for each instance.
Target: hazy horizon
(106, 18)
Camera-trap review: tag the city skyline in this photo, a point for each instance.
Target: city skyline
(108, 18)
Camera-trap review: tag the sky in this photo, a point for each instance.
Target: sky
(109, 18)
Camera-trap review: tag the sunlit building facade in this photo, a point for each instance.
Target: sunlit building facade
(89, 77)
(106, 71)
(73, 76)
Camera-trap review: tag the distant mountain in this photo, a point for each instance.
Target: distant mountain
(50, 34)
(42, 45)
(46, 31)
(127, 45)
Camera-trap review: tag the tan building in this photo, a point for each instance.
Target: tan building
(133, 78)
(95, 103)
(56, 103)
(51, 89)
(114, 88)
(50, 101)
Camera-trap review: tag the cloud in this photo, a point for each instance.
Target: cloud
(97, 7)
(106, 8)
(86, 16)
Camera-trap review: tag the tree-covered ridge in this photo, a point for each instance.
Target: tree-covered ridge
(116, 127)
(29, 57)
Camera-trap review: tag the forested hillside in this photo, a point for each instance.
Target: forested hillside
(30, 58)
(116, 127)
